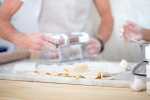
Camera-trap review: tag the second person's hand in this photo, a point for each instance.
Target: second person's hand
(130, 30)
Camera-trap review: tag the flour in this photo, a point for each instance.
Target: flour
(88, 70)
(25, 67)
(123, 66)
(114, 70)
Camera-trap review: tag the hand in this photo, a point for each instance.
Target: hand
(37, 41)
(131, 30)
(93, 47)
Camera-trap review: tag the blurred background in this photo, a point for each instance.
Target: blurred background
(138, 11)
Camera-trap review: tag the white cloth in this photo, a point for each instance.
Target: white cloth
(74, 15)
(64, 17)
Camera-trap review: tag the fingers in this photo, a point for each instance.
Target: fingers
(125, 39)
(130, 23)
(92, 50)
(121, 32)
(93, 47)
(45, 37)
(49, 46)
(41, 42)
(124, 33)
(50, 39)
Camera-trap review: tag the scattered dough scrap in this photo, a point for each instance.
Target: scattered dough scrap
(124, 64)
(48, 72)
(137, 84)
(76, 71)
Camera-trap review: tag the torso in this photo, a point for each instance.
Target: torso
(65, 16)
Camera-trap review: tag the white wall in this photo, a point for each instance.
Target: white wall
(24, 21)
(135, 10)
(115, 50)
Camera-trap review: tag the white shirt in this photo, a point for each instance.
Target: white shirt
(36, 6)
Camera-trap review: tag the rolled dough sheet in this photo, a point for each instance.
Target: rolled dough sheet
(78, 71)
(81, 70)
(75, 71)
(24, 67)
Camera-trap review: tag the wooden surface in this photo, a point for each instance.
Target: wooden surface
(19, 90)
(33, 55)
(6, 57)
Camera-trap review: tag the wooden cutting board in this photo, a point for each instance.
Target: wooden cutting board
(121, 80)
(7, 57)
(19, 90)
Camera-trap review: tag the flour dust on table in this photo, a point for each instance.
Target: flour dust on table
(89, 70)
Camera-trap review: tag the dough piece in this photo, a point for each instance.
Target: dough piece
(24, 67)
(81, 70)
(76, 69)
(124, 64)
(137, 84)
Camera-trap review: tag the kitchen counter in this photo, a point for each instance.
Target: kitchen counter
(19, 90)
(42, 87)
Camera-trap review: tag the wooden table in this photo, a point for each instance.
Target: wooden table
(19, 90)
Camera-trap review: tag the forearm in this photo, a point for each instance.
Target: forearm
(105, 29)
(146, 34)
(7, 30)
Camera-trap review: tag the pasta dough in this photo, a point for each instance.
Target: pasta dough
(75, 71)
(124, 64)
(81, 70)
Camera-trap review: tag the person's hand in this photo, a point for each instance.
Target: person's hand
(37, 41)
(130, 30)
(93, 47)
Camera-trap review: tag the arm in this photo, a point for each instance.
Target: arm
(35, 41)
(106, 26)
(7, 10)
(133, 30)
